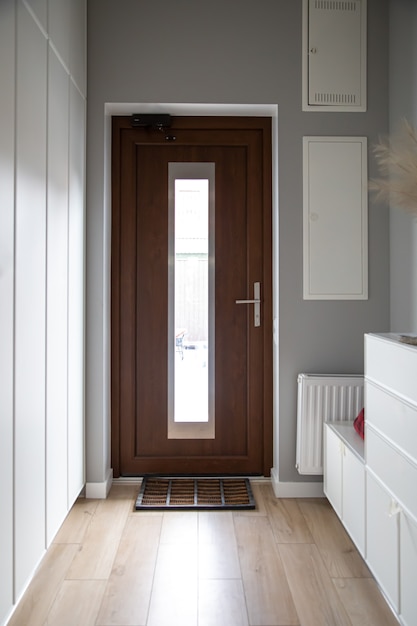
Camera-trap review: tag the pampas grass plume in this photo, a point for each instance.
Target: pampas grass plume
(396, 157)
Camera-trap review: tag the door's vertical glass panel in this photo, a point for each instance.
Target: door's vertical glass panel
(191, 301)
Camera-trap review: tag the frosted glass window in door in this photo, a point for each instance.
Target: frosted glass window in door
(191, 301)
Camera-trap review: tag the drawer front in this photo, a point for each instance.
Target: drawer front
(397, 420)
(382, 553)
(392, 364)
(408, 564)
(393, 469)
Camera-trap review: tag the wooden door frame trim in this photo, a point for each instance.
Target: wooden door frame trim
(268, 278)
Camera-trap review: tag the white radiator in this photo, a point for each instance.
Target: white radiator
(323, 398)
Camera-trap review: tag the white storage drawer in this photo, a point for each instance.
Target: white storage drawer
(397, 420)
(397, 472)
(394, 369)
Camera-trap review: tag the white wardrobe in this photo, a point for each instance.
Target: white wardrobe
(42, 267)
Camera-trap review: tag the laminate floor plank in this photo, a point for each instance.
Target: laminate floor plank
(174, 598)
(174, 604)
(315, 597)
(217, 548)
(38, 598)
(179, 527)
(268, 597)
(176, 564)
(286, 519)
(339, 553)
(221, 603)
(77, 522)
(77, 603)
(128, 590)
(364, 602)
(94, 559)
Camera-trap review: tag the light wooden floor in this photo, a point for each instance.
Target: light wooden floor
(290, 562)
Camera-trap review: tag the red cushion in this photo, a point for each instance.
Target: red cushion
(359, 424)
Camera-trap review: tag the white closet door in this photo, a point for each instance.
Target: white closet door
(30, 297)
(57, 297)
(7, 107)
(76, 287)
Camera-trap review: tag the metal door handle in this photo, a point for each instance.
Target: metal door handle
(256, 302)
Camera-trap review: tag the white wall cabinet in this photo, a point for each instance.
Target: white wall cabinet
(391, 459)
(334, 55)
(389, 472)
(344, 477)
(335, 218)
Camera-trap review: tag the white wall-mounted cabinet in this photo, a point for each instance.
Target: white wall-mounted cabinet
(344, 477)
(334, 55)
(335, 218)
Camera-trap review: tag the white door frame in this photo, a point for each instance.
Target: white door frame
(110, 109)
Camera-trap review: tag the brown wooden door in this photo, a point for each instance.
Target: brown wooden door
(240, 150)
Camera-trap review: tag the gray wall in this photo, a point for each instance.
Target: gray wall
(403, 103)
(237, 51)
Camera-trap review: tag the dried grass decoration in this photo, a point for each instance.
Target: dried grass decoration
(397, 161)
(396, 157)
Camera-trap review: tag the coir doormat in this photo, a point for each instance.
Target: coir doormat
(158, 493)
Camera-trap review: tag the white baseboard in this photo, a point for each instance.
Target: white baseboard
(99, 490)
(128, 480)
(281, 489)
(295, 490)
